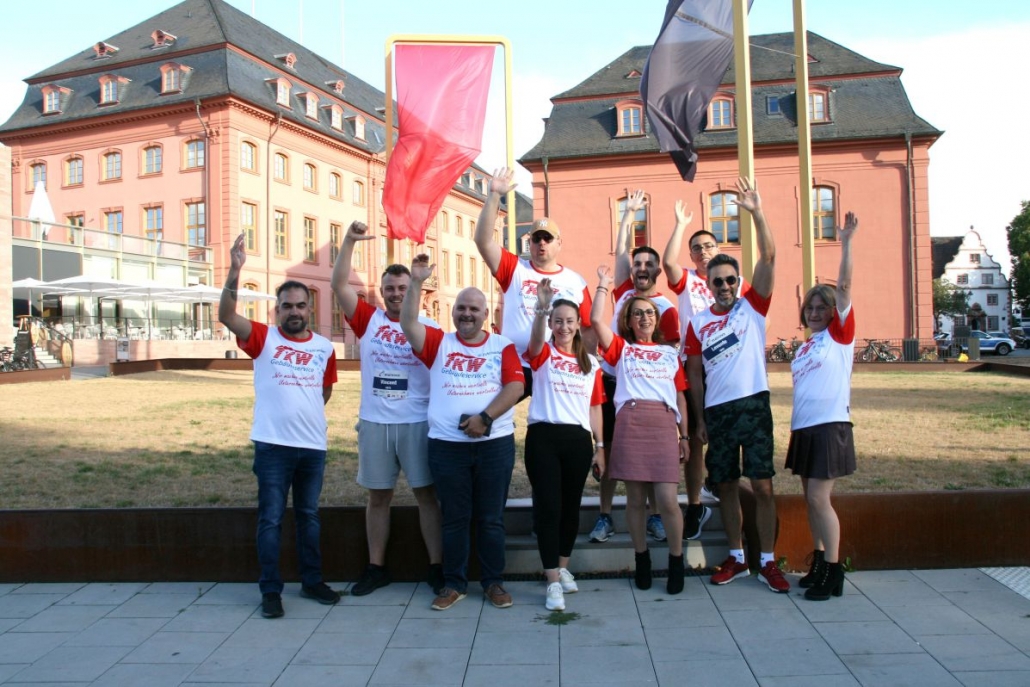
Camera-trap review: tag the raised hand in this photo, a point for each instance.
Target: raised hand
(544, 293)
(237, 253)
(683, 216)
(749, 198)
(604, 276)
(358, 231)
(636, 201)
(850, 227)
(502, 181)
(420, 268)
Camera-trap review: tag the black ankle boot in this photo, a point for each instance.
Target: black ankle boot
(831, 583)
(642, 576)
(674, 585)
(816, 571)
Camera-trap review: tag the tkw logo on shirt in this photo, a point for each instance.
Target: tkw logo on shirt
(459, 362)
(562, 365)
(292, 355)
(390, 335)
(640, 354)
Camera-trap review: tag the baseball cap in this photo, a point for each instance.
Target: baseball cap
(546, 225)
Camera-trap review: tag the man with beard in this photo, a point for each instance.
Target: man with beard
(475, 379)
(519, 278)
(726, 343)
(294, 373)
(636, 273)
(392, 427)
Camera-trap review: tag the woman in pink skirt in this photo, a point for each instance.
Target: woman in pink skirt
(650, 439)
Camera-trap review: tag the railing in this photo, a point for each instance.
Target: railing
(110, 328)
(873, 350)
(99, 240)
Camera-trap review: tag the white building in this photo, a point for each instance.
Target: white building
(975, 271)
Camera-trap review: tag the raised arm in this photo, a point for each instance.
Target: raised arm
(345, 293)
(601, 329)
(846, 261)
(413, 329)
(227, 315)
(537, 335)
(763, 278)
(500, 185)
(624, 240)
(671, 257)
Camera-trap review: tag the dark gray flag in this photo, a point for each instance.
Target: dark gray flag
(683, 72)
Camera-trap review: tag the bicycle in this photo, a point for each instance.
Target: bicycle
(780, 353)
(878, 351)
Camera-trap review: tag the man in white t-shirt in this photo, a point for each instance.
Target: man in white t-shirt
(726, 344)
(294, 373)
(392, 425)
(475, 379)
(519, 278)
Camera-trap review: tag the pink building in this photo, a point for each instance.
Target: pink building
(870, 156)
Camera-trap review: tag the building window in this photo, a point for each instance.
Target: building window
(962, 279)
(459, 269)
(337, 323)
(77, 220)
(472, 271)
(486, 279)
(310, 175)
(250, 307)
(723, 219)
(445, 221)
(194, 154)
(109, 91)
(311, 106)
(154, 222)
(335, 238)
(459, 226)
(359, 127)
(384, 247)
(358, 191)
(248, 156)
(987, 280)
(282, 92)
(358, 259)
(472, 228)
(152, 162)
(992, 320)
(38, 174)
(282, 234)
(992, 299)
(196, 224)
(335, 186)
(823, 214)
(445, 259)
(631, 121)
(248, 224)
(817, 110)
(974, 258)
(51, 101)
(113, 222)
(772, 105)
(336, 117)
(639, 225)
(720, 114)
(309, 239)
(171, 80)
(281, 169)
(73, 171)
(112, 166)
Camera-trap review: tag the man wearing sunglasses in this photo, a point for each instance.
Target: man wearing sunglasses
(519, 278)
(726, 344)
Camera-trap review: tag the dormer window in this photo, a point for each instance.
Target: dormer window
(289, 59)
(104, 50)
(337, 85)
(720, 112)
(172, 77)
(359, 126)
(630, 118)
(634, 74)
(282, 91)
(162, 39)
(110, 88)
(52, 98)
(335, 117)
(818, 106)
(311, 105)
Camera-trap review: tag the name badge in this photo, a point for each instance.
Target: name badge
(390, 384)
(721, 346)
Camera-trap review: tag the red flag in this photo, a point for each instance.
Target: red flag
(441, 104)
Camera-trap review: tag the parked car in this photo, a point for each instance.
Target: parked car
(1002, 345)
(1019, 335)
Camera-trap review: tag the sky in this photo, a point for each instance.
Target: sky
(966, 67)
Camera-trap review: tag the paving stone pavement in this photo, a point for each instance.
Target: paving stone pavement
(904, 627)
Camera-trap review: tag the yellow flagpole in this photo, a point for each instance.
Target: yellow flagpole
(745, 131)
(804, 146)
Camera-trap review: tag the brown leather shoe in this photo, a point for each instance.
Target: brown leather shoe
(498, 597)
(447, 598)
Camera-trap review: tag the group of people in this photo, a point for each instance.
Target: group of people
(630, 398)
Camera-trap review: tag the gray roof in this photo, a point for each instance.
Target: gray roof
(583, 119)
(203, 29)
(944, 249)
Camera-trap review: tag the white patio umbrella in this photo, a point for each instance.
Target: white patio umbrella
(245, 294)
(150, 291)
(98, 287)
(41, 210)
(30, 284)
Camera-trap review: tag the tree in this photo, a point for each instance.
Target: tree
(948, 299)
(1019, 249)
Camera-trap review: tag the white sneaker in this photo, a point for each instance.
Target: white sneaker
(555, 597)
(568, 582)
(708, 495)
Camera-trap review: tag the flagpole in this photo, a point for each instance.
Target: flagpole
(804, 146)
(745, 130)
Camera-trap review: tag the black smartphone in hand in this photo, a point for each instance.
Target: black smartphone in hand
(595, 470)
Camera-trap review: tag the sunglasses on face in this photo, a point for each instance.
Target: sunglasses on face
(717, 282)
(541, 236)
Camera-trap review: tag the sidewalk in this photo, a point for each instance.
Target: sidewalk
(928, 627)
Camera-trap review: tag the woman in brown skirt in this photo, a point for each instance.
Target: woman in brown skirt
(650, 439)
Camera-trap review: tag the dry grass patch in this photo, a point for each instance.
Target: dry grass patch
(179, 438)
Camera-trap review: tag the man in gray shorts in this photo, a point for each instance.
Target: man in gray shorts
(394, 385)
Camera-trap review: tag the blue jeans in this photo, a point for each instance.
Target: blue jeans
(277, 469)
(472, 478)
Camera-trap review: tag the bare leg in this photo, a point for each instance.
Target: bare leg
(635, 497)
(429, 520)
(652, 504)
(765, 513)
(729, 507)
(667, 494)
(822, 518)
(377, 524)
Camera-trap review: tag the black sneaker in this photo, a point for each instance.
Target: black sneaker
(435, 578)
(374, 577)
(321, 593)
(271, 605)
(694, 518)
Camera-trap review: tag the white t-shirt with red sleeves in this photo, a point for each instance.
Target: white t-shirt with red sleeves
(732, 347)
(289, 375)
(822, 374)
(518, 279)
(693, 296)
(394, 383)
(562, 392)
(668, 316)
(645, 372)
(463, 380)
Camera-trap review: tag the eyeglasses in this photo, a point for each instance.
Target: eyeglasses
(703, 247)
(643, 313)
(541, 236)
(717, 282)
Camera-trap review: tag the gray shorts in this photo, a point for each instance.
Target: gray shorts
(386, 449)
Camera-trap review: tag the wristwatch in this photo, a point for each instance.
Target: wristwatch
(487, 420)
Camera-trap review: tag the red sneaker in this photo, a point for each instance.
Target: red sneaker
(772, 576)
(729, 571)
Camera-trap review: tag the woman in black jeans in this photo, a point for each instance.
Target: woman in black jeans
(564, 425)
